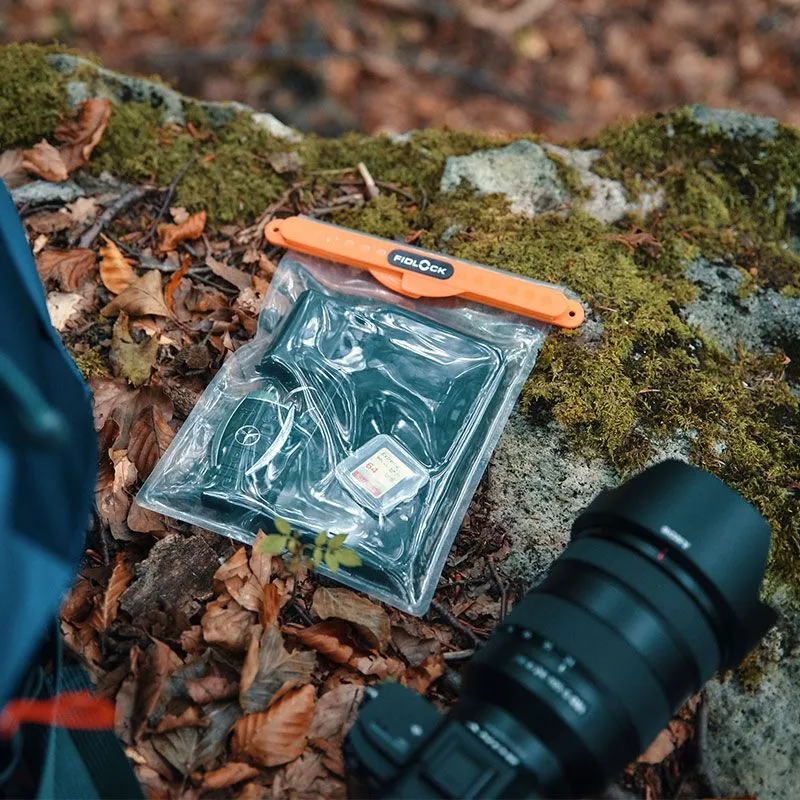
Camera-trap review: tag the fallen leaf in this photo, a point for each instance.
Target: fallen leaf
(270, 605)
(279, 734)
(378, 666)
(125, 709)
(335, 712)
(179, 747)
(190, 717)
(49, 222)
(239, 581)
(172, 235)
(221, 717)
(228, 775)
(67, 267)
(414, 649)
(82, 210)
(116, 271)
(261, 561)
(211, 687)
(269, 666)
(662, 746)
(333, 639)
(420, 678)
(78, 607)
(173, 283)
(81, 136)
(234, 567)
(159, 665)
(226, 623)
(369, 618)
(11, 170)
(239, 279)
(255, 791)
(142, 520)
(106, 611)
(302, 774)
(62, 307)
(142, 297)
(150, 435)
(179, 214)
(331, 751)
(130, 359)
(192, 639)
(45, 161)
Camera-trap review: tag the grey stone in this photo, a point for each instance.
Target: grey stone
(734, 124)
(762, 321)
(126, 88)
(608, 201)
(753, 745)
(38, 193)
(521, 171)
(535, 487)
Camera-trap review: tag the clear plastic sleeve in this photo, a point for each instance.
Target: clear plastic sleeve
(355, 411)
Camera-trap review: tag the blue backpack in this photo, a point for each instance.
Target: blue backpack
(47, 475)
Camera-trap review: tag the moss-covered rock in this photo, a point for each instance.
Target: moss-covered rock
(678, 231)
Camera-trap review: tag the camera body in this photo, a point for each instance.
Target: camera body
(658, 589)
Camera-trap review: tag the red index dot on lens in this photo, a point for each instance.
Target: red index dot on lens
(661, 555)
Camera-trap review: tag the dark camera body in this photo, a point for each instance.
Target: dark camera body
(658, 590)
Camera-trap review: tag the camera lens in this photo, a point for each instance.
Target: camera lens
(658, 590)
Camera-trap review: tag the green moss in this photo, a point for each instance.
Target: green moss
(32, 95)
(92, 364)
(731, 198)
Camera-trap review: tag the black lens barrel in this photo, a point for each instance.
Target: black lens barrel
(657, 591)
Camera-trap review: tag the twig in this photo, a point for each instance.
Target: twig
(448, 616)
(500, 585)
(127, 199)
(459, 655)
(369, 182)
(173, 187)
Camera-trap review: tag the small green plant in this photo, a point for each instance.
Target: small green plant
(327, 548)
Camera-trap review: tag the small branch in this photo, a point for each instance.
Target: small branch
(459, 655)
(448, 616)
(173, 187)
(129, 198)
(369, 182)
(500, 585)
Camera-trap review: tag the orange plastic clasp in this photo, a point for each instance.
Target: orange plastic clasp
(417, 273)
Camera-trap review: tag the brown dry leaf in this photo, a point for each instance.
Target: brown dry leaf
(279, 734)
(125, 708)
(421, 677)
(106, 611)
(77, 607)
(334, 639)
(45, 161)
(67, 267)
(130, 359)
(228, 775)
(172, 235)
(179, 748)
(112, 494)
(302, 774)
(226, 623)
(49, 222)
(190, 717)
(270, 666)
(12, 173)
(81, 136)
(234, 567)
(662, 746)
(142, 520)
(270, 605)
(161, 662)
(253, 791)
(335, 712)
(82, 210)
(331, 754)
(370, 620)
(192, 639)
(260, 561)
(210, 688)
(150, 435)
(173, 283)
(378, 666)
(142, 297)
(239, 279)
(116, 271)
(413, 648)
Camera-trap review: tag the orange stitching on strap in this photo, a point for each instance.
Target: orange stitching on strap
(74, 710)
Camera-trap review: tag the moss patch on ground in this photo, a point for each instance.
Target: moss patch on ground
(648, 375)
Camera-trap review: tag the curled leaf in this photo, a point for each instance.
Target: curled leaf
(172, 235)
(82, 135)
(11, 170)
(67, 268)
(133, 360)
(150, 435)
(106, 611)
(45, 161)
(371, 621)
(116, 271)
